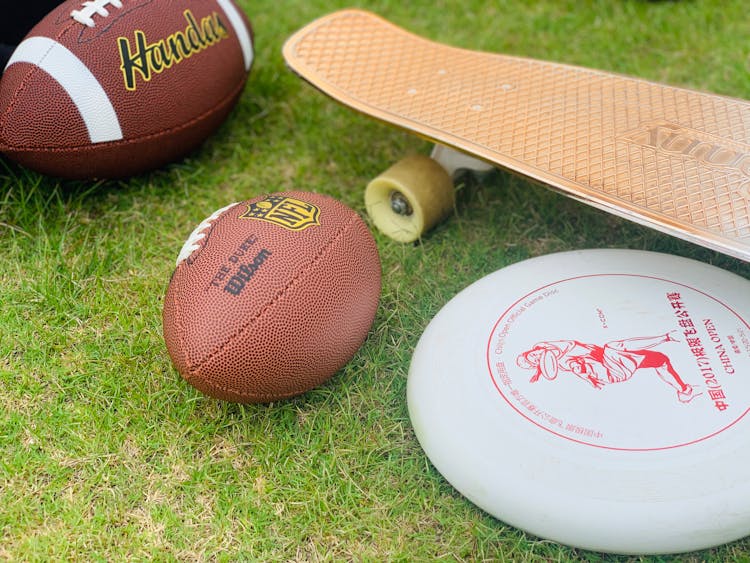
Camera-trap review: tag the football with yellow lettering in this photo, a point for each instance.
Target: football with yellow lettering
(271, 297)
(112, 88)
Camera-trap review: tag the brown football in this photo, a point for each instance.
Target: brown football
(111, 88)
(271, 297)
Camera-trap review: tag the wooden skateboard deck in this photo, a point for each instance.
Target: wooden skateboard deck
(670, 158)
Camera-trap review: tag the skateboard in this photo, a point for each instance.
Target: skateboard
(673, 159)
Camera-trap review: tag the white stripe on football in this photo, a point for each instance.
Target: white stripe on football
(75, 78)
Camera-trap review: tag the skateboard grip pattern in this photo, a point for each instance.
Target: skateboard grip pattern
(673, 159)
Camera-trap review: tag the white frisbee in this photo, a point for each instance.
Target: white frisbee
(596, 398)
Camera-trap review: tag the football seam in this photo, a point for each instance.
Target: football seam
(180, 325)
(217, 107)
(194, 369)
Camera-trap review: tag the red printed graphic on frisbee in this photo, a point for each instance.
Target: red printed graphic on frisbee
(596, 371)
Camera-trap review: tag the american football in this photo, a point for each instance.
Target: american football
(271, 297)
(113, 88)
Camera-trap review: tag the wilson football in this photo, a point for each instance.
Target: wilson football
(271, 297)
(112, 88)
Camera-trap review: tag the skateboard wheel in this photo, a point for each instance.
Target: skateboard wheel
(410, 198)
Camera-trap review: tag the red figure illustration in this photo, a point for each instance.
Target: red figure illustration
(615, 362)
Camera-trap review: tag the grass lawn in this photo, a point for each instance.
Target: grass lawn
(106, 454)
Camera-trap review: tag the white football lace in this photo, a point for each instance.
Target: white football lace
(99, 7)
(191, 244)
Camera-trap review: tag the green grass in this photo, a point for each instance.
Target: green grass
(106, 454)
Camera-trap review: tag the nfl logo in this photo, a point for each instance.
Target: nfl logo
(289, 213)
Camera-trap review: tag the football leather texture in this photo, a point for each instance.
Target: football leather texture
(271, 297)
(113, 88)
